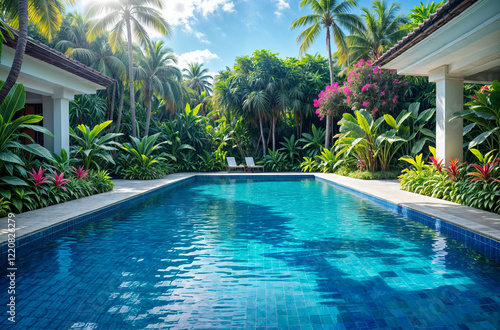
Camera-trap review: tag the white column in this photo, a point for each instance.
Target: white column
(449, 99)
(48, 121)
(61, 120)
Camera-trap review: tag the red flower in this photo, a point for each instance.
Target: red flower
(81, 173)
(59, 180)
(438, 164)
(453, 169)
(485, 173)
(38, 176)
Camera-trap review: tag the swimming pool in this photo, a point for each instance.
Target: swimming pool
(221, 253)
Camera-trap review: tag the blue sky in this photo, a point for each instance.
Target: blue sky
(215, 32)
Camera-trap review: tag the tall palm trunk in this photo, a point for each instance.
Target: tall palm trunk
(274, 132)
(262, 134)
(22, 39)
(112, 108)
(120, 110)
(330, 66)
(131, 77)
(148, 115)
(296, 122)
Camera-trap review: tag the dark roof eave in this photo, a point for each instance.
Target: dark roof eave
(53, 57)
(443, 15)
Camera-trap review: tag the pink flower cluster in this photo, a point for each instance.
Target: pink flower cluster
(330, 101)
(372, 88)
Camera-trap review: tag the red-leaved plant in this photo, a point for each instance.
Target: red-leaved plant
(453, 169)
(59, 180)
(485, 172)
(38, 177)
(81, 173)
(438, 163)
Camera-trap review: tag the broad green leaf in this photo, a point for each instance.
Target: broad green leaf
(391, 121)
(426, 115)
(14, 181)
(496, 85)
(477, 153)
(481, 138)
(417, 147)
(468, 128)
(413, 109)
(40, 129)
(428, 132)
(11, 158)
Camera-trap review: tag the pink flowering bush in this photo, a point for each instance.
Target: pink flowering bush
(331, 101)
(372, 88)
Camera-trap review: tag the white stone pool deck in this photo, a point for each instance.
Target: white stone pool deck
(481, 222)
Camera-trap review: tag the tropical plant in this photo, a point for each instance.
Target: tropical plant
(360, 135)
(62, 161)
(372, 88)
(91, 148)
(313, 141)
(144, 164)
(130, 16)
(276, 161)
(328, 14)
(382, 28)
(196, 77)
(309, 165)
(330, 160)
(11, 131)
(158, 74)
(420, 13)
(292, 150)
(484, 113)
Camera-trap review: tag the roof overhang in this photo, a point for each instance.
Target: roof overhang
(462, 36)
(37, 50)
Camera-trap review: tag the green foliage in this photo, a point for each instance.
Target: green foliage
(292, 150)
(309, 165)
(350, 171)
(12, 167)
(456, 183)
(91, 149)
(329, 160)
(276, 161)
(314, 141)
(143, 163)
(484, 114)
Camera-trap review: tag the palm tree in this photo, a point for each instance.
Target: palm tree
(328, 14)
(382, 29)
(45, 14)
(197, 79)
(421, 13)
(158, 74)
(258, 102)
(73, 39)
(127, 16)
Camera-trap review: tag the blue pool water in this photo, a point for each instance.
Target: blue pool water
(232, 253)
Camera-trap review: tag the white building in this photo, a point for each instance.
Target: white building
(459, 43)
(51, 80)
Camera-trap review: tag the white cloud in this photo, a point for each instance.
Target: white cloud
(202, 37)
(197, 56)
(183, 12)
(281, 5)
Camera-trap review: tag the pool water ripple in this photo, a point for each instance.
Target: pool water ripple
(255, 254)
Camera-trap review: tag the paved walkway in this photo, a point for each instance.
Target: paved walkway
(484, 223)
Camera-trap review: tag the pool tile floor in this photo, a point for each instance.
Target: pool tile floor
(478, 221)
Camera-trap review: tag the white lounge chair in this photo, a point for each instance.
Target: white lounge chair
(231, 164)
(251, 165)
